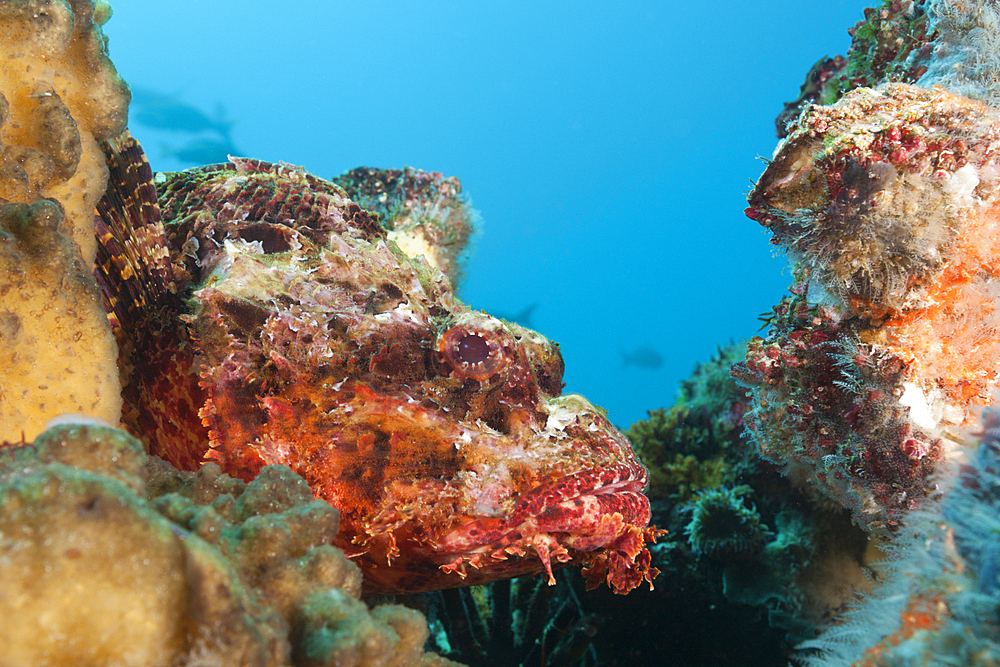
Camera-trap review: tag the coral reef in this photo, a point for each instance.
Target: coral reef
(930, 43)
(892, 43)
(424, 213)
(59, 95)
(937, 600)
(887, 202)
(685, 447)
(735, 527)
(110, 557)
(878, 362)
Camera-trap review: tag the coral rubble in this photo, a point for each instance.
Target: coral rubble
(111, 557)
(59, 95)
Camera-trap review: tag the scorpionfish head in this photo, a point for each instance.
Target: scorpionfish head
(439, 432)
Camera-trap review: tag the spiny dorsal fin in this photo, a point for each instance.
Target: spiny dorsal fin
(156, 359)
(133, 263)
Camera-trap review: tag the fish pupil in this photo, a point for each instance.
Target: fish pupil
(473, 349)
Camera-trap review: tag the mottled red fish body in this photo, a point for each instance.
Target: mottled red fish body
(439, 432)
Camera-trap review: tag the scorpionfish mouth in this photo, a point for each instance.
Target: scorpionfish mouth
(581, 516)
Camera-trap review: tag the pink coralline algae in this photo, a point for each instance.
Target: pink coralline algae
(888, 203)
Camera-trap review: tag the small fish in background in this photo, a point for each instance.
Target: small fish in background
(192, 137)
(167, 112)
(523, 318)
(642, 357)
(201, 151)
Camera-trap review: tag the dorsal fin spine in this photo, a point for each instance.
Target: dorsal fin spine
(156, 360)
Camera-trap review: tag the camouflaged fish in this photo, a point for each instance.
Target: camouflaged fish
(263, 318)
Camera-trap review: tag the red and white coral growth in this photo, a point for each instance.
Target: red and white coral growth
(889, 202)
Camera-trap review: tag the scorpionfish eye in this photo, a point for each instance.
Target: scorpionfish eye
(472, 353)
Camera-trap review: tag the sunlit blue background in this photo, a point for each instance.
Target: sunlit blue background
(608, 150)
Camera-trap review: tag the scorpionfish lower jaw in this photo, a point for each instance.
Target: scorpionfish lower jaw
(264, 318)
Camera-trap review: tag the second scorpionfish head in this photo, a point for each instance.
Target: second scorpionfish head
(439, 432)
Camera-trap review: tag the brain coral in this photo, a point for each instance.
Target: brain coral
(59, 94)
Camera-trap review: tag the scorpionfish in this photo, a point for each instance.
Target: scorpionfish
(263, 318)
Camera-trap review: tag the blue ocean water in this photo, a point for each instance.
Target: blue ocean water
(607, 150)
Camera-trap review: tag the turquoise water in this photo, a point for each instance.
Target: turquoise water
(608, 151)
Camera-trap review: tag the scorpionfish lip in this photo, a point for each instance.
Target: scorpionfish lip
(609, 484)
(571, 504)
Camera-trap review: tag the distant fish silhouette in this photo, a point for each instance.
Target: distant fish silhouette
(642, 357)
(166, 112)
(202, 151)
(523, 318)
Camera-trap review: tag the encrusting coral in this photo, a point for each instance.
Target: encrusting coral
(888, 201)
(110, 557)
(59, 95)
(937, 598)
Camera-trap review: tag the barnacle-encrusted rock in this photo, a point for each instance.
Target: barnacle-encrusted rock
(108, 557)
(59, 94)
